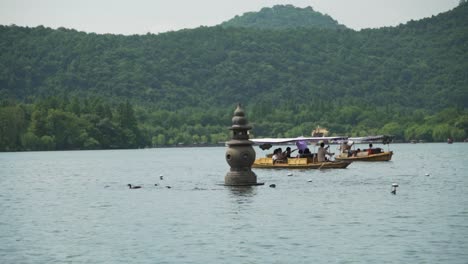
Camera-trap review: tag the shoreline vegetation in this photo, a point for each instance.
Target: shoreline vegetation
(62, 124)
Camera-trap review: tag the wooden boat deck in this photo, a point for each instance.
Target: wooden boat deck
(384, 156)
(299, 163)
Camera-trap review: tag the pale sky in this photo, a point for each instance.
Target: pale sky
(157, 16)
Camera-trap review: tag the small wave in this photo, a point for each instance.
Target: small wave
(73, 256)
(403, 217)
(464, 213)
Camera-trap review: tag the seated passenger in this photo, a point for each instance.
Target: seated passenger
(346, 147)
(278, 156)
(306, 153)
(275, 156)
(299, 155)
(287, 153)
(370, 150)
(357, 152)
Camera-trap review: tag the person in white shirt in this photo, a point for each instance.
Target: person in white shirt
(278, 156)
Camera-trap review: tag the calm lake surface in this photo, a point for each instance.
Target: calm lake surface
(75, 207)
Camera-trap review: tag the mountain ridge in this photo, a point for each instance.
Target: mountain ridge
(283, 17)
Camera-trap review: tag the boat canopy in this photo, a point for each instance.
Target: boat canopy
(297, 139)
(385, 139)
(301, 142)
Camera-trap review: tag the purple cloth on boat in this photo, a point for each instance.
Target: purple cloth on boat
(301, 145)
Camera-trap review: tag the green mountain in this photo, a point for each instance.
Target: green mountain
(409, 81)
(284, 17)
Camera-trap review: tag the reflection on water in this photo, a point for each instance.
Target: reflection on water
(242, 191)
(76, 207)
(242, 195)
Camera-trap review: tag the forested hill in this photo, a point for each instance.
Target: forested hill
(409, 81)
(284, 17)
(418, 65)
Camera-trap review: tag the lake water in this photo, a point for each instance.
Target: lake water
(75, 207)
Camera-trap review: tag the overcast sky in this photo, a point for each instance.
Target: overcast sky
(156, 16)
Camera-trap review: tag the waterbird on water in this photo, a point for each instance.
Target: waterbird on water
(161, 177)
(273, 185)
(168, 187)
(133, 187)
(394, 186)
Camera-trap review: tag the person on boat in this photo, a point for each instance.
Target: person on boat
(306, 153)
(370, 150)
(355, 154)
(275, 155)
(300, 154)
(287, 153)
(346, 147)
(322, 152)
(278, 156)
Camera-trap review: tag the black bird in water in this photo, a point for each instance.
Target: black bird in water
(394, 186)
(133, 187)
(273, 185)
(168, 187)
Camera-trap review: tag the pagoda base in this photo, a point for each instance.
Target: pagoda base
(241, 178)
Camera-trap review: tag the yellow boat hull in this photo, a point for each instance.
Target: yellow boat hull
(384, 156)
(298, 163)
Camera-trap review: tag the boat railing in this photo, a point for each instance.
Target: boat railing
(298, 161)
(290, 161)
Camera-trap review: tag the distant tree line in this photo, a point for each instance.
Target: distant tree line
(55, 124)
(61, 124)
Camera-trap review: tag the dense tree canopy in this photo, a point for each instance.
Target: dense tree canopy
(63, 89)
(58, 124)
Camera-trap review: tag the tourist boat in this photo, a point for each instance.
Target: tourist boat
(299, 163)
(374, 154)
(296, 162)
(320, 132)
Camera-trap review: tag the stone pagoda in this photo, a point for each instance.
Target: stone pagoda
(240, 154)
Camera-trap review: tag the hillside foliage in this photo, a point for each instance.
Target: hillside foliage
(182, 87)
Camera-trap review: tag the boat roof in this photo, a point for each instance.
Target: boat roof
(296, 139)
(385, 139)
